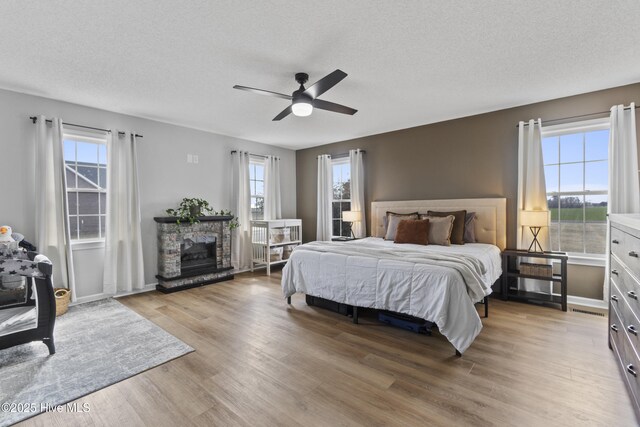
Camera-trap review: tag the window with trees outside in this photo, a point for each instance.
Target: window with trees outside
(256, 180)
(341, 169)
(85, 160)
(576, 171)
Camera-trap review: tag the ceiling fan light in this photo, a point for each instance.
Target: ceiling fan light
(302, 108)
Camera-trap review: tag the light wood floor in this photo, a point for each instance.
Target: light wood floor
(260, 362)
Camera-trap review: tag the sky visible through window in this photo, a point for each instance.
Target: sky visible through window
(577, 175)
(341, 171)
(86, 180)
(256, 181)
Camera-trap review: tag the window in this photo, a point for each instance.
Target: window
(85, 159)
(256, 180)
(577, 175)
(341, 169)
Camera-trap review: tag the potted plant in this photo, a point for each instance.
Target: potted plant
(234, 220)
(190, 209)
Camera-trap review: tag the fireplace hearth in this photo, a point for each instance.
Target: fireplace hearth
(191, 255)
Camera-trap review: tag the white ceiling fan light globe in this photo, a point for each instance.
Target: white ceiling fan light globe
(302, 108)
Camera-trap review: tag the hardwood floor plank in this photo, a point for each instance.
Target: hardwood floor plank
(260, 361)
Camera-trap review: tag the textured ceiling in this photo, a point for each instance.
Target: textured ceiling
(409, 62)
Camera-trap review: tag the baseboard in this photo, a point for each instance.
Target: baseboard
(587, 305)
(587, 302)
(96, 297)
(89, 298)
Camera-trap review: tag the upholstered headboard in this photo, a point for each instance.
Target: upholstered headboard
(491, 225)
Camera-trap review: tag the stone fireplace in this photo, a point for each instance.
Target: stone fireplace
(191, 255)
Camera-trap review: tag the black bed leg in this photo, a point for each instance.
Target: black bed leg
(289, 300)
(486, 307)
(458, 353)
(355, 314)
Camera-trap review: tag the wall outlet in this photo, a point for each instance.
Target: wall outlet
(189, 158)
(195, 158)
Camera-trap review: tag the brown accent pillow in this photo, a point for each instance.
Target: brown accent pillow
(457, 234)
(393, 219)
(414, 231)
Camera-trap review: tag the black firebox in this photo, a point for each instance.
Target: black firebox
(197, 255)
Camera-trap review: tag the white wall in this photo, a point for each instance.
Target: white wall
(165, 176)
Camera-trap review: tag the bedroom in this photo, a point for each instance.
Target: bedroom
(440, 92)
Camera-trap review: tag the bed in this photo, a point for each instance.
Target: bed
(440, 284)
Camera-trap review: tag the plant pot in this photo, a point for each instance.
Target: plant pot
(195, 211)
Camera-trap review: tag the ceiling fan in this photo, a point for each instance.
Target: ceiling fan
(304, 100)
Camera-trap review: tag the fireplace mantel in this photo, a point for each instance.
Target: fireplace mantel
(174, 219)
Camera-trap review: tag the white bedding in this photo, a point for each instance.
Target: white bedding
(411, 279)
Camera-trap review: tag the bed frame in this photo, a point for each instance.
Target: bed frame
(491, 228)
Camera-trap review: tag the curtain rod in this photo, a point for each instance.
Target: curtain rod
(34, 119)
(341, 155)
(579, 116)
(256, 155)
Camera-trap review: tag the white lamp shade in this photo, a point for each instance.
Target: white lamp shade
(534, 218)
(351, 216)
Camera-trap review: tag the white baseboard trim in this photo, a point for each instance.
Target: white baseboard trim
(96, 297)
(89, 298)
(147, 288)
(587, 302)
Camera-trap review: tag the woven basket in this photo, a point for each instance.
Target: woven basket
(63, 297)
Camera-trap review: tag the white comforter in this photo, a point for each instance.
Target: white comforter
(437, 283)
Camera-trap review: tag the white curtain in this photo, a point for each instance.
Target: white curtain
(123, 263)
(624, 191)
(272, 196)
(357, 191)
(241, 246)
(532, 192)
(52, 225)
(324, 230)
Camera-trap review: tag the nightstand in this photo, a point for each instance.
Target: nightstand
(343, 239)
(511, 272)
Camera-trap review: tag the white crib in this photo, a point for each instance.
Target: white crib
(273, 240)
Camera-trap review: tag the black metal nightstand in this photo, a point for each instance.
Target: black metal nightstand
(511, 274)
(343, 239)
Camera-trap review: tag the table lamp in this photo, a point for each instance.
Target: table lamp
(535, 220)
(351, 216)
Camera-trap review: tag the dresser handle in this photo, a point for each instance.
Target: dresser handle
(615, 242)
(632, 294)
(632, 329)
(631, 370)
(614, 272)
(614, 327)
(633, 254)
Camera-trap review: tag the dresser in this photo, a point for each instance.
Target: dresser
(624, 306)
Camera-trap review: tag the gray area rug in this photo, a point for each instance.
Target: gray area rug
(97, 344)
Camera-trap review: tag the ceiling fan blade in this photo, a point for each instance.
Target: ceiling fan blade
(263, 92)
(283, 114)
(325, 83)
(330, 106)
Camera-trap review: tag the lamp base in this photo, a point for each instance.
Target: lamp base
(535, 247)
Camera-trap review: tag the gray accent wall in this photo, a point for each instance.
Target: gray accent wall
(469, 157)
(164, 174)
